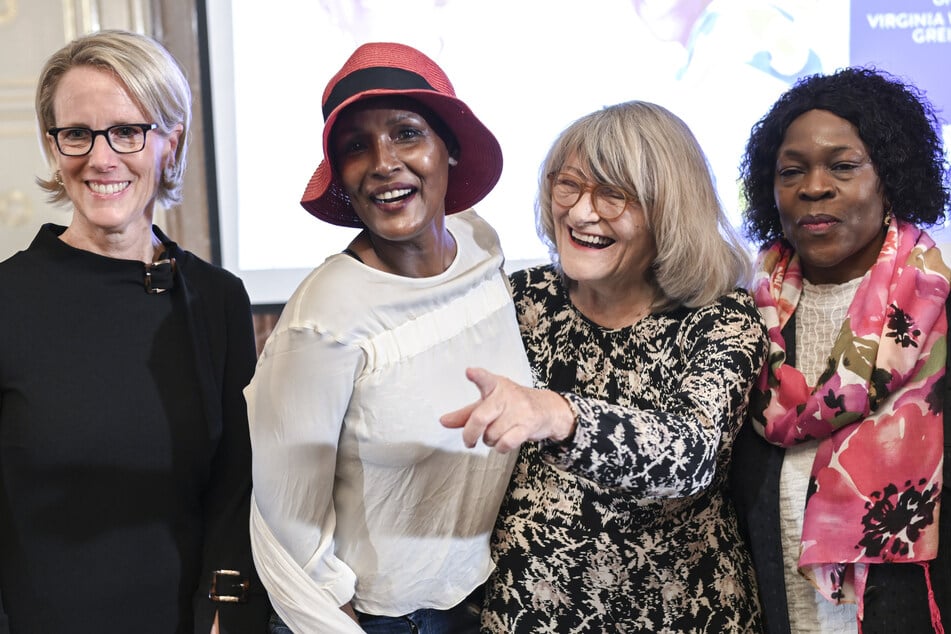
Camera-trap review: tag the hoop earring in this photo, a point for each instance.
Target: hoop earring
(887, 218)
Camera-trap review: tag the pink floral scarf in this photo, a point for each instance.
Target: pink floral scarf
(877, 411)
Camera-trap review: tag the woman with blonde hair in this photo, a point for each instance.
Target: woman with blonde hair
(125, 462)
(644, 351)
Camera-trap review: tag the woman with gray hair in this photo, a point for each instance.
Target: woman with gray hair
(644, 352)
(125, 469)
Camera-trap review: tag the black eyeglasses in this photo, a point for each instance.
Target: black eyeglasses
(125, 138)
(609, 202)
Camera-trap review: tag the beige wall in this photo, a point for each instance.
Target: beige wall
(31, 30)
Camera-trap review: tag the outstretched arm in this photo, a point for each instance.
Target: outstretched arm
(663, 443)
(509, 414)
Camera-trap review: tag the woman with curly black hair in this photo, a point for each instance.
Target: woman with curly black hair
(840, 475)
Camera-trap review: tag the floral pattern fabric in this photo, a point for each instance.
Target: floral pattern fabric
(625, 528)
(877, 410)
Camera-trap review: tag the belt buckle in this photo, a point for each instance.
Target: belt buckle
(159, 276)
(229, 586)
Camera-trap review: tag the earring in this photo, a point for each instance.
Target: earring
(58, 177)
(887, 218)
(453, 162)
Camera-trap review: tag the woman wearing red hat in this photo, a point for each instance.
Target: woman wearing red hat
(365, 508)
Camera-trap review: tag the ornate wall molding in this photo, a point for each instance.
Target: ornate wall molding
(8, 11)
(86, 16)
(15, 208)
(16, 107)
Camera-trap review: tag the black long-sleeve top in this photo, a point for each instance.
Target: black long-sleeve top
(124, 451)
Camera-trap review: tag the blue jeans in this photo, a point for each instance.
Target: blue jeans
(276, 626)
(461, 619)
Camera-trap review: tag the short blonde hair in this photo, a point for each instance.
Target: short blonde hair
(155, 82)
(645, 149)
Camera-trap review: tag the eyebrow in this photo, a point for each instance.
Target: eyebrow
(792, 153)
(574, 171)
(397, 118)
(407, 114)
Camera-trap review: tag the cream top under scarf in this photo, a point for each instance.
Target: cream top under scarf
(822, 309)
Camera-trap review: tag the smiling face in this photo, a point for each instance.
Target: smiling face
(829, 198)
(395, 168)
(113, 194)
(603, 254)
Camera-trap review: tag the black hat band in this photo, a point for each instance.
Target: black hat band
(375, 78)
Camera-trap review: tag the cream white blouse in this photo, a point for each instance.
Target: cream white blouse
(359, 493)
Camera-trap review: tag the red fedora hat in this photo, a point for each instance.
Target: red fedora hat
(381, 69)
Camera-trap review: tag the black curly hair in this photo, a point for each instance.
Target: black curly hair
(895, 121)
